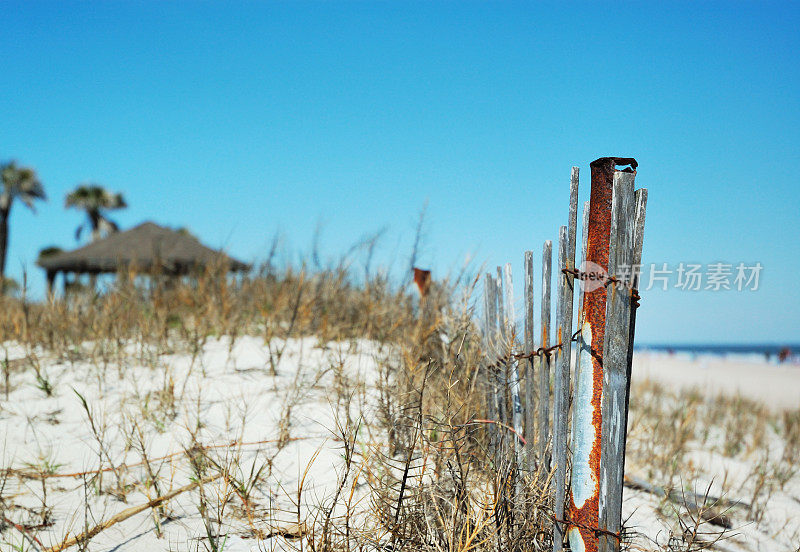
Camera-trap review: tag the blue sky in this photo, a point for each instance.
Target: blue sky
(243, 119)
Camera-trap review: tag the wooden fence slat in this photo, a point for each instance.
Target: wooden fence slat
(530, 410)
(638, 232)
(496, 405)
(508, 287)
(561, 386)
(544, 360)
(490, 325)
(582, 266)
(513, 369)
(544, 363)
(615, 360)
(559, 402)
(584, 238)
(502, 369)
(640, 197)
(502, 321)
(491, 290)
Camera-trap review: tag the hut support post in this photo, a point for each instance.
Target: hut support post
(51, 279)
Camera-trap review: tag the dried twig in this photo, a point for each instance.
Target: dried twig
(127, 513)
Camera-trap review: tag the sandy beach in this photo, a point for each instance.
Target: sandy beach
(775, 385)
(233, 396)
(737, 456)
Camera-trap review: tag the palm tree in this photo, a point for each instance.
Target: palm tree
(95, 200)
(18, 183)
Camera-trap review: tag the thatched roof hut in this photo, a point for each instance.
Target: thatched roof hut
(146, 248)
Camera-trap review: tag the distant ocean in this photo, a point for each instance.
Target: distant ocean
(753, 350)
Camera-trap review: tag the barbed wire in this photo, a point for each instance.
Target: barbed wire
(596, 530)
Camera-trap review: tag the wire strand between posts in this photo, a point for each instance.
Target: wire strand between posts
(596, 530)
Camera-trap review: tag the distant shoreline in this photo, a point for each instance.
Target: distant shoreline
(721, 349)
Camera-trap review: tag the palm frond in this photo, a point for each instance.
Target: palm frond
(22, 183)
(93, 197)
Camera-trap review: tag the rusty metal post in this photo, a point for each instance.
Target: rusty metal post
(587, 404)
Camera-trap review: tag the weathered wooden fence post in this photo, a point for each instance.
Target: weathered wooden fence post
(530, 411)
(581, 268)
(513, 370)
(615, 360)
(584, 239)
(638, 243)
(625, 258)
(544, 359)
(561, 384)
(492, 403)
(502, 350)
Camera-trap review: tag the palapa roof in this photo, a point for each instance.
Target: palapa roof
(146, 247)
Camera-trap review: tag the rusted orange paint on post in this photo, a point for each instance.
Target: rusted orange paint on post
(586, 517)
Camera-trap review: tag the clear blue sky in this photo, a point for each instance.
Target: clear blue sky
(241, 119)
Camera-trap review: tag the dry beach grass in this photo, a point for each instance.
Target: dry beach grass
(311, 410)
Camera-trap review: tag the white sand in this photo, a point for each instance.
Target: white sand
(229, 388)
(775, 385)
(35, 427)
